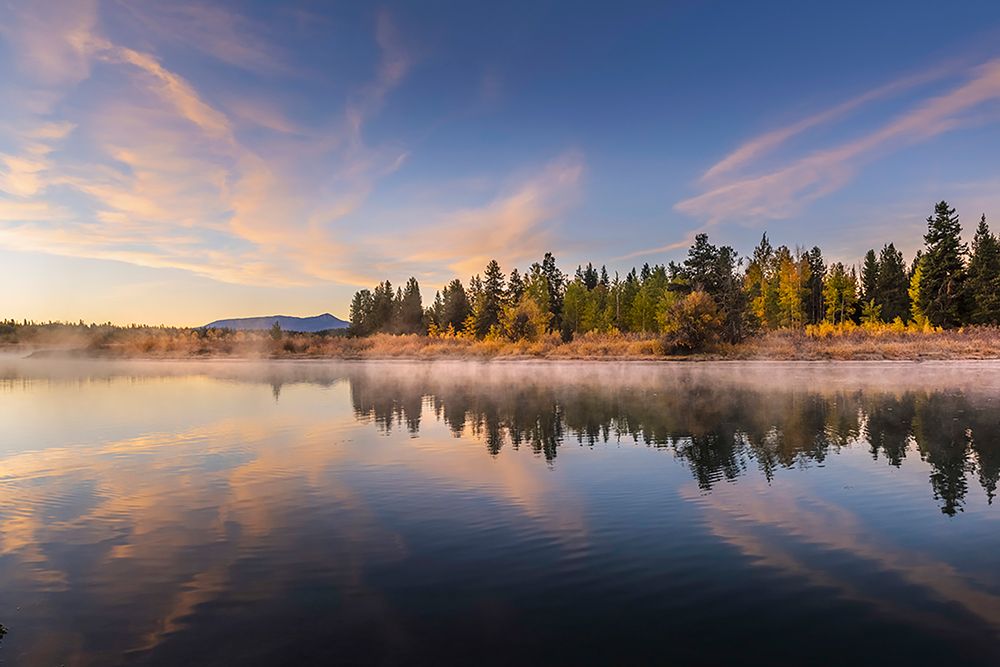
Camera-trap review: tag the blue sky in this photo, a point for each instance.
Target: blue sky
(179, 162)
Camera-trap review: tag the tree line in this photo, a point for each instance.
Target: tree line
(714, 294)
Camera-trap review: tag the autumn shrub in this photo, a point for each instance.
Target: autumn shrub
(692, 323)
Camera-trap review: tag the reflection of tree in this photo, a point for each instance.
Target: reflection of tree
(888, 425)
(941, 431)
(715, 430)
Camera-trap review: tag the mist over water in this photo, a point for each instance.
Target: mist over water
(157, 513)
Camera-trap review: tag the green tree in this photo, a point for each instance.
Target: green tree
(840, 293)
(276, 332)
(515, 287)
(555, 282)
(869, 278)
(984, 276)
(490, 305)
(793, 276)
(892, 285)
(454, 306)
(761, 281)
(814, 286)
(574, 304)
(362, 307)
(383, 308)
(942, 283)
(410, 316)
(713, 270)
(871, 312)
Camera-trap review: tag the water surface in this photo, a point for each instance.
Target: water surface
(223, 513)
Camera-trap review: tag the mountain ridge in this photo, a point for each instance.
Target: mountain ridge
(324, 322)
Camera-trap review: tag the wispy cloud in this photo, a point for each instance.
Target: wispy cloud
(513, 227)
(166, 174)
(159, 176)
(735, 189)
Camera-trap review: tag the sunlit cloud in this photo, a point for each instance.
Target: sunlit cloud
(165, 174)
(513, 228)
(735, 189)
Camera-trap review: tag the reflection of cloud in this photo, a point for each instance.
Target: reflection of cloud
(764, 525)
(157, 525)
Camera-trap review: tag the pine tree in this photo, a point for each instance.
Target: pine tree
(362, 306)
(869, 278)
(892, 285)
(490, 307)
(984, 276)
(942, 288)
(454, 306)
(383, 306)
(515, 288)
(410, 318)
(814, 286)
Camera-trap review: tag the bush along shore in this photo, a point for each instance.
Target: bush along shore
(774, 304)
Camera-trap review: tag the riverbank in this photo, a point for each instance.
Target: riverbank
(859, 344)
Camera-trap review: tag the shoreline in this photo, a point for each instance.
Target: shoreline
(49, 354)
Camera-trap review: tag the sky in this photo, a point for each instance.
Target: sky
(176, 162)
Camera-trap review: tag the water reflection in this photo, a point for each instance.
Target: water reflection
(413, 514)
(718, 430)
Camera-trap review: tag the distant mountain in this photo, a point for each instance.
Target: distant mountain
(323, 322)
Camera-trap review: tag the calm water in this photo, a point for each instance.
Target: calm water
(508, 514)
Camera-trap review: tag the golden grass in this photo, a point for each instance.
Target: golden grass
(814, 343)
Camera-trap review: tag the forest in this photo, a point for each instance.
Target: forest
(713, 296)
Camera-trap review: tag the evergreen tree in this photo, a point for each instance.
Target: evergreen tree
(554, 284)
(362, 307)
(713, 270)
(410, 317)
(984, 276)
(814, 286)
(587, 276)
(942, 288)
(892, 285)
(700, 269)
(383, 306)
(490, 307)
(454, 306)
(869, 278)
(515, 287)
